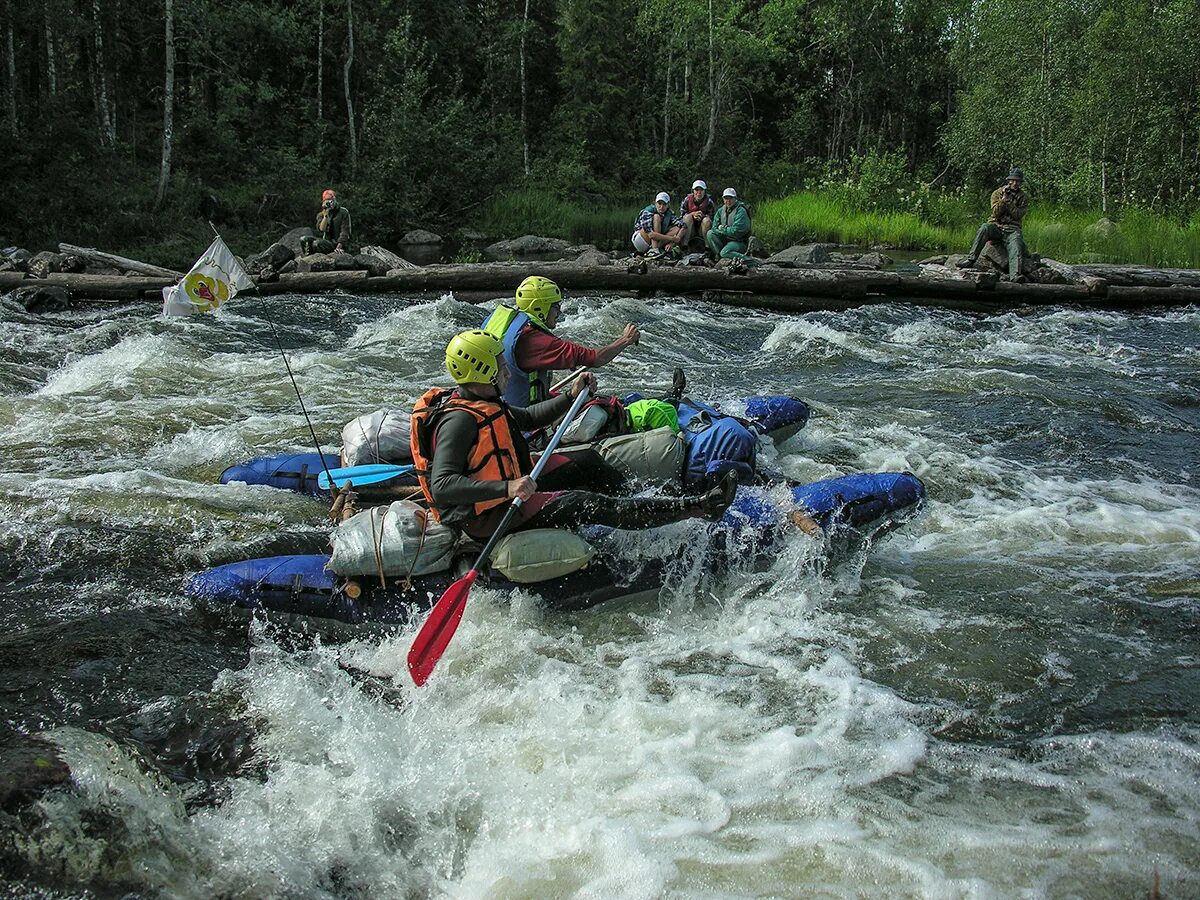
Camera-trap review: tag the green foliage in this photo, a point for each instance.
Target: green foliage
(847, 111)
(541, 212)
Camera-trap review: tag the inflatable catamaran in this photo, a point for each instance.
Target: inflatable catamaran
(392, 562)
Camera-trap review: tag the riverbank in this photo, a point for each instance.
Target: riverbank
(940, 222)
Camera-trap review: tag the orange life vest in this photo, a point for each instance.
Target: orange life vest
(499, 452)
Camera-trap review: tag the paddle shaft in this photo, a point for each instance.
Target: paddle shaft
(435, 635)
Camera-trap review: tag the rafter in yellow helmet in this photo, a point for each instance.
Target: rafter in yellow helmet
(535, 296)
(473, 357)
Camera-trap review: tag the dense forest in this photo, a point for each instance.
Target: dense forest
(123, 122)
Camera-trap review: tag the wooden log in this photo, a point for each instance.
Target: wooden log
(1140, 276)
(99, 287)
(303, 282)
(1141, 295)
(91, 254)
(504, 277)
(764, 288)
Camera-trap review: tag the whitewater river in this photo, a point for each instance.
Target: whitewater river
(1000, 700)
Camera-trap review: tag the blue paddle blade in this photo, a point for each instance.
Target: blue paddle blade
(363, 475)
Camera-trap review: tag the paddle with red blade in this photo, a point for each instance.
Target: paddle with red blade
(439, 627)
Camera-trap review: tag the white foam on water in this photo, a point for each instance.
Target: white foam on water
(819, 341)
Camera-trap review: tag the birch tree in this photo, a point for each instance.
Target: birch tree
(346, 83)
(168, 105)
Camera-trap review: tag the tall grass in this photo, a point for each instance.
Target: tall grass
(938, 223)
(540, 212)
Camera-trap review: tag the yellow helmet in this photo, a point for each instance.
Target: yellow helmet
(473, 357)
(536, 295)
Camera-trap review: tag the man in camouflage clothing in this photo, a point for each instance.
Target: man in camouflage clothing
(1009, 205)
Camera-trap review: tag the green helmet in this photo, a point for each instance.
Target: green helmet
(536, 295)
(473, 357)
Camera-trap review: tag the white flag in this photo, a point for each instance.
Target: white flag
(216, 277)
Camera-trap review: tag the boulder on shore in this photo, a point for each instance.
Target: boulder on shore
(419, 237)
(803, 255)
(875, 259)
(291, 240)
(45, 263)
(755, 247)
(272, 258)
(593, 257)
(1101, 230)
(526, 246)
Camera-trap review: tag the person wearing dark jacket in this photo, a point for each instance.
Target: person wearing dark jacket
(333, 228)
(471, 458)
(1009, 205)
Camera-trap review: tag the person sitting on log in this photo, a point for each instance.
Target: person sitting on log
(729, 237)
(530, 349)
(333, 228)
(471, 457)
(1009, 205)
(697, 212)
(657, 230)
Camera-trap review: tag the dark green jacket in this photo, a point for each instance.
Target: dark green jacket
(733, 224)
(337, 225)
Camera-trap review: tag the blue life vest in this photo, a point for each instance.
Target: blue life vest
(523, 388)
(716, 444)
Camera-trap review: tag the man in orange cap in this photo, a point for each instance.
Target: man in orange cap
(333, 228)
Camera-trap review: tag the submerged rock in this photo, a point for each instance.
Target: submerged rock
(29, 766)
(42, 298)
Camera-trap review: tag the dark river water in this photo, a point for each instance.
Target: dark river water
(1000, 700)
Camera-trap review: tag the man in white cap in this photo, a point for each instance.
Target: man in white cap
(657, 229)
(729, 238)
(697, 211)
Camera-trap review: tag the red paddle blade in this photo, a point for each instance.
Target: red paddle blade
(434, 637)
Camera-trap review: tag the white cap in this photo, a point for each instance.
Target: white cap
(663, 196)
(699, 184)
(730, 192)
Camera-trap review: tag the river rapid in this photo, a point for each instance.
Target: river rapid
(999, 700)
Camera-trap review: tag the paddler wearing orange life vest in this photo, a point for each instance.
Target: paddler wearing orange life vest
(471, 457)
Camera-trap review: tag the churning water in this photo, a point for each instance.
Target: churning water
(1000, 700)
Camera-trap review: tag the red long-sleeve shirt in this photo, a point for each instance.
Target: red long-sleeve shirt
(537, 349)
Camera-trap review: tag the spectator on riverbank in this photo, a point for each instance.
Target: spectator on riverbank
(1009, 205)
(333, 228)
(729, 237)
(657, 230)
(697, 211)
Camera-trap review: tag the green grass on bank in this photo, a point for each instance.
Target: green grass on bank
(948, 224)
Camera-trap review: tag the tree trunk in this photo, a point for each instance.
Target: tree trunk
(321, 61)
(108, 132)
(12, 69)
(51, 61)
(346, 82)
(524, 91)
(712, 89)
(667, 99)
(168, 105)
